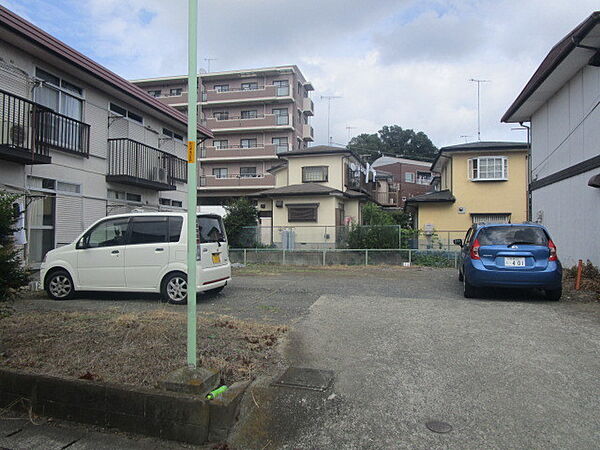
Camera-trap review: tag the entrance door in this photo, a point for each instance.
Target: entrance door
(101, 255)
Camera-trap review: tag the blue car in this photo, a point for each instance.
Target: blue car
(509, 255)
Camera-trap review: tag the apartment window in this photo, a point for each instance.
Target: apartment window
(222, 87)
(314, 174)
(488, 168)
(423, 178)
(283, 87)
(281, 144)
(281, 116)
(409, 177)
(248, 143)
(175, 91)
(251, 114)
(155, 93)
(247, 172)
(299, 88)
(71, 188)
(304, 212)
(221, 115)
(220, 172)
(179, 137)
(167, 132)
(177, 203)
(251, 86)
(130, 197)
(126, 113)
(164, 201)
(220, 143)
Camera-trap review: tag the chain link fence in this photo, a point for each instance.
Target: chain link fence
(352, 257)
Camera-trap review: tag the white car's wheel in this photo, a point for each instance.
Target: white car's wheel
(174, 288)
(59, 285)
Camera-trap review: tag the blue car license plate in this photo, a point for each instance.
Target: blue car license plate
(514, 262)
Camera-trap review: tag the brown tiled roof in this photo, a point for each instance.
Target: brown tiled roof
(49, 43)
(433, 197)
(307, 189)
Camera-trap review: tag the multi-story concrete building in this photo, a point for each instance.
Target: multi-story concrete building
(409, 177)
(561, 101)
(254, 114)
(78, 141)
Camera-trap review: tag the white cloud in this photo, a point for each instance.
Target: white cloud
(402, 62)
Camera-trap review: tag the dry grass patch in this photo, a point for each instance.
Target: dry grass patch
(134, 348)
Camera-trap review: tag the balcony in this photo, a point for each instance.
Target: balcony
(276, 94)
(262, 122)
(308, 134)
(308, 107)
(171, 100)
(235, 152)
(29, 131)
(231, 181)
(133, 163)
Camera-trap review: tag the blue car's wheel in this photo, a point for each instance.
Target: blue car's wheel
(554, 294)
(461, 277)
(469, 291)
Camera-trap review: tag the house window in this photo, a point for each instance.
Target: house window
(221, 143)
(136, 198)
(281, 116)
(423, 177)
(167, 132)
(220, 172)
(177, 203)
(155, 93)
(247, 172)
(251, 114)
(281, 144)
(222, 87)
(175, 91)
(409, 177)
(247, 143)
(59, 95)
(221, 115)
(314, 174)
(488, 168)
(252, 86)
(125, 113)
(164, 201)
(283, 87)
(304, 212)
(490, 218)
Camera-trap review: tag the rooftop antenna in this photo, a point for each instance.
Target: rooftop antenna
(465, 136)
(474, 80)
(350, 131)
(208, 60)
(329, 98)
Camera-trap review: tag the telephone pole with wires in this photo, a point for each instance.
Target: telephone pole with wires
(474, 80)
(329, 98)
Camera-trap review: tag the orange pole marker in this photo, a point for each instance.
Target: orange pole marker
(578, 279)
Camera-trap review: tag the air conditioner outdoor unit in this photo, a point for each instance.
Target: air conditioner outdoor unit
(159, 174)
(14, 134)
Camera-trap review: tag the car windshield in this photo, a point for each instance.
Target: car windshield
(211, 229)
(512, 234)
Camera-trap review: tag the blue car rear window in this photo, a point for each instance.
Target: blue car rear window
(514, 234)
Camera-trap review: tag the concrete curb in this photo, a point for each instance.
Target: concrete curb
(167, 415)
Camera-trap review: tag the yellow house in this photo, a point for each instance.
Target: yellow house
(478, 182)
(318, 191)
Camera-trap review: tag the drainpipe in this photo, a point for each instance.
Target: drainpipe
(529, 175)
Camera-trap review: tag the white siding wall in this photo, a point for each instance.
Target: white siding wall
(566, 131)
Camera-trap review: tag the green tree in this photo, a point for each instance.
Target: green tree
(395, 141)
(241, 216)
(13, 275)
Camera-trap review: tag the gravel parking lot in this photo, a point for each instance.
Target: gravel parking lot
(510, 370)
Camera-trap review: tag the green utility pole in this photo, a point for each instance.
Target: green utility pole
(192, 180)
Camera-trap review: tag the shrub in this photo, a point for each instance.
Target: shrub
(240, 223)
(433, 259)
(13, 275)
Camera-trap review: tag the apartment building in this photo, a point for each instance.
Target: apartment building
(254, 115)
(410, 178)
(78, 141)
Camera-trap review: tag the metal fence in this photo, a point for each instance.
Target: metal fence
(345, 238)
(353, 257)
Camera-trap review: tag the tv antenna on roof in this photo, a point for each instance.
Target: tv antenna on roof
(208, 60)
(329, 98)
(474, 80)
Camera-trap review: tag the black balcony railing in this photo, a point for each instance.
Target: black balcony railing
(28, 131)
(134, 163)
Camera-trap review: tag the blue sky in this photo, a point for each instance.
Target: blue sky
(402, 62)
